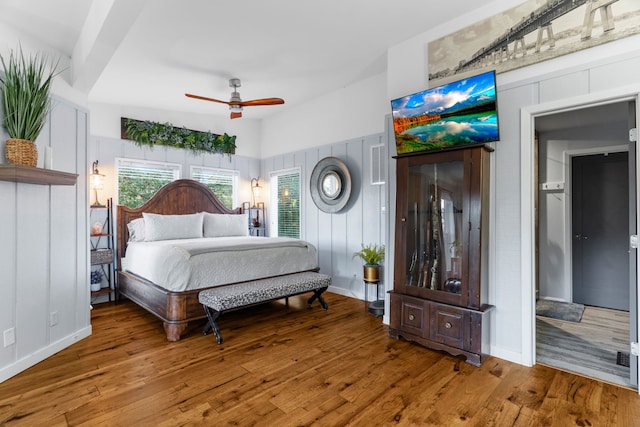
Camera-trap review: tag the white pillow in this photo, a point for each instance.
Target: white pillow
(136, 230)
(225, 225)
(168, 227)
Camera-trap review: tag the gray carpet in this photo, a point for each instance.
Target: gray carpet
(568, 311)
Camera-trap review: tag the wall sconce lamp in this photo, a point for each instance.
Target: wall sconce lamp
(255, 191)
(97, 183)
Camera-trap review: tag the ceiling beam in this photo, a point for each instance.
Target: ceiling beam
(107, 24)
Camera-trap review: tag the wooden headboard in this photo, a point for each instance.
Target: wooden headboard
(183, 196)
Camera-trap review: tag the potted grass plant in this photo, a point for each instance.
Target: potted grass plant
(26, 103)
(371, 254)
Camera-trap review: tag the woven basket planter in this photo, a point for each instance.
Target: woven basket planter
(21, 152)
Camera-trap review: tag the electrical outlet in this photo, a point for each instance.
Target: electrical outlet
(53, 318)
(9, 337)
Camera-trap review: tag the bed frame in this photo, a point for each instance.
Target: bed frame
(175, 309)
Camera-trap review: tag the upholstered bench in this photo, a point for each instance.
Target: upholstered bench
(223, 298)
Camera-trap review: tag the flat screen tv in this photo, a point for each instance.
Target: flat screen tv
(457, 113)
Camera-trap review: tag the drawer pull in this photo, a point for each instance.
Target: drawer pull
(447, 325)
(412, 317)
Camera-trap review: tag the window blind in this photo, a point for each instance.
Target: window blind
(139, 180)
(223, 183)
(288, 193)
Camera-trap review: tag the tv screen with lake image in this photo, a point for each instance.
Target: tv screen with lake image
(458, 113)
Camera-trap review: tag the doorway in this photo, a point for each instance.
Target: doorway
(583, 239)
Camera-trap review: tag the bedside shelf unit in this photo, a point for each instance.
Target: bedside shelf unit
(103, 249)
(439, 298)
(257, 219)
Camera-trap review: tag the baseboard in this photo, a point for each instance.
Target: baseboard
(359, 294)
(43, 353)
(554, 299)
(507, 355)
(345, 292)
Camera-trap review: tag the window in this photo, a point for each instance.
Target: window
(285, 220)
(138, 180)
(223, 183)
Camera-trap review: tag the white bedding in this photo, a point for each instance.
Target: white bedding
(185, 264)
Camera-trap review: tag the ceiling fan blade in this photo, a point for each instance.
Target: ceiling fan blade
(235, 115)
(204, 98)
(265, 101)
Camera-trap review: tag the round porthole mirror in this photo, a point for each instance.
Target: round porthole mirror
(330, 184)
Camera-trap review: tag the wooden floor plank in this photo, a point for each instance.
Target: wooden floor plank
(289, 365)
(413, 396)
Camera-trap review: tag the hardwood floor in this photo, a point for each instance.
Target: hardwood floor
(290, 366)
(589, 347)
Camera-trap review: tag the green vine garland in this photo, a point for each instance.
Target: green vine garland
(148, 133)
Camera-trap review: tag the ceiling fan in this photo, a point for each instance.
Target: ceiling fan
(235, 103)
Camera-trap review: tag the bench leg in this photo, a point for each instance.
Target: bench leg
(212, 315)
(207, 327)
(317, 293)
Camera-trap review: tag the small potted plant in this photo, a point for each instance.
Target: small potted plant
(372, 254)
(24, 91)
(96, 280)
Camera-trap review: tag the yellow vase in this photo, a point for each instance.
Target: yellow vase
(372, 273)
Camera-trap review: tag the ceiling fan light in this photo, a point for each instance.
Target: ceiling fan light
(235, 97)
(235, 108)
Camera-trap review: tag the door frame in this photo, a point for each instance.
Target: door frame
(528, 191)
(568, 206)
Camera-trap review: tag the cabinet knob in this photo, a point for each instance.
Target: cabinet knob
(412, 317)
(403, 219)
(447, 325)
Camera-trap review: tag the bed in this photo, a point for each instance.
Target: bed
(167, 294)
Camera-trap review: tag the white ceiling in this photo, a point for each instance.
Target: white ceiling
(148, 53)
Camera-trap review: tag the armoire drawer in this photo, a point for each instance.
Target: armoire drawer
(450, 325)
(410, 315)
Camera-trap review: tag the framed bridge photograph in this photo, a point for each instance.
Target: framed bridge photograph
(535, 31)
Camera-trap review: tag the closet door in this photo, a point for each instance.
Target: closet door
(600, 230)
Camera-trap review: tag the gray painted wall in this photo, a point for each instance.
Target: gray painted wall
(511, 320)
(44, 249)
(363, 220)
